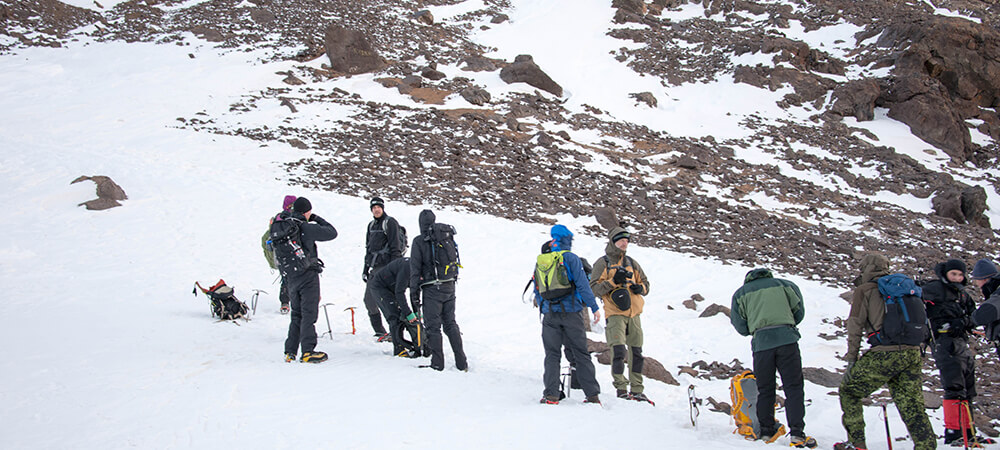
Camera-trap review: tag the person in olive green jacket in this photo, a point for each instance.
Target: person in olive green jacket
(620, 282)
(897, 366)
(769, 308)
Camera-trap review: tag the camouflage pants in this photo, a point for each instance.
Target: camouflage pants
(900, 370)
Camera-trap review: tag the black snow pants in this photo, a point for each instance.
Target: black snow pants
(439, 311)
(787, 360)
(303, 292)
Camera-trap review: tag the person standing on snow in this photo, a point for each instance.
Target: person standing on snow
(438, 296)
(984, 275)
(562, 325)
(303, 288)
(388, 285)
(621, 284)
(382, 246)
(269, 254)
(769, 309)
(897, 366)
(949, 309)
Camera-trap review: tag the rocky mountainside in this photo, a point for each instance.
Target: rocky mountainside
(524, 155)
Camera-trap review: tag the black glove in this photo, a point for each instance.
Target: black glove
(620, 276)
(364, 276)
(636, 289)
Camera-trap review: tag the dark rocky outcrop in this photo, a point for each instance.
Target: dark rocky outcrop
(964, 206)
(109, 193)
(476, 96)
(350, 51)
(524, 70)
(856, 99)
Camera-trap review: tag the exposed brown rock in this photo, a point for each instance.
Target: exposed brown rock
(350, 51)
(109, 193)
(524, 70)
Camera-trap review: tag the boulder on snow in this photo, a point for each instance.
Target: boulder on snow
(476, 96)
(350, 51)
(108, 193)
(856, 99)
(524, 70)
(714, 309)
(645, 97)
(964, 206)
(423, 16)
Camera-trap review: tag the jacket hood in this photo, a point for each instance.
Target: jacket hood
(562, 238)
(614, 253)
(426, 221)
(757, 274)
(872, 266)
(941, 270)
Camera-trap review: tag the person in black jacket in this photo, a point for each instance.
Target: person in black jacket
(986, 278)
(382, 246)
(303, 288)
(438, 297)
(949, 309)
(388, 285)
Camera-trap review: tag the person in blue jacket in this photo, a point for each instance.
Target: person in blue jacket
(561, 325)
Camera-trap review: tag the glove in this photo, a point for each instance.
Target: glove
(364, 276)
(411, 318)
(636, 289)
(619, 277)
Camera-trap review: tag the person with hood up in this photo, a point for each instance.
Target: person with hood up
(438, 291)
(561, 324)
(269, 254)
(949, 309)
(389, 285)
(769, 309)
(620, 282)
(303, 288)
(985, 277)
(897, 366)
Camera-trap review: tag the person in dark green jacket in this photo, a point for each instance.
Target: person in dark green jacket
(768, 309)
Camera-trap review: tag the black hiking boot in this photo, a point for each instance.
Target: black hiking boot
(385, 337)
(802, 441)
(313, 357)
(289, 357)
(640, 397)
(593, 399)
(769, 436)
(285, 309)
(622, 393)
(549, 400)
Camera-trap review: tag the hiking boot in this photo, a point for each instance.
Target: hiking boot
(549, 400)
(846, 446)
(313, 357)
(384, 337)
(593, 399)
(769, 436)
(289, 357)
(802, 441)
(953, 437)
(285, 309)
(973, 438)
(622, 393)
(640, 397)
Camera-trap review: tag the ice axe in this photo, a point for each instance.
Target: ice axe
(328, 329)
(253, 300)
(353, 329)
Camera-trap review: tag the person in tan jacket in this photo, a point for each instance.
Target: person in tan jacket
(620, 282)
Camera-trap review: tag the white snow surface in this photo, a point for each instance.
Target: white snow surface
(107, 348)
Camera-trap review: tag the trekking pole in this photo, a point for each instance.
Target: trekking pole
(353, 329)
(328, 329)
(885, 417)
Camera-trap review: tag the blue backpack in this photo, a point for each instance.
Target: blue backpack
(905, 320)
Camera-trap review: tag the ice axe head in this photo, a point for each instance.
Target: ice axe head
(353, 329)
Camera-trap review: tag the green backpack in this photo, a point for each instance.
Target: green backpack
(551, 276)
(265, 241)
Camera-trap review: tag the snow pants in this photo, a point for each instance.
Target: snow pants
(371, 304)
(786, 360)
(391, 311)
(283, 292)
(624, 335)
(303, 292)
(439, 310)
(900, 370)
(957, 366)
(559, 329)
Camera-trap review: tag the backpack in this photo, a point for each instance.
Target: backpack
(743, 390)
(286, 243)
(444, 252)
(905, 320)
(265, 242)
(552, 277)
(404, 242)
(223, 302)
(620, 296)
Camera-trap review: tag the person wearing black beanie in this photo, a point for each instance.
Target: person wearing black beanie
(299, 262)
(949, 309)
(384, 243)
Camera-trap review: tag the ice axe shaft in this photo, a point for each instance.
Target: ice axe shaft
(354, 330)
(328, 329)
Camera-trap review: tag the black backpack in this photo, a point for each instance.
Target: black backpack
(286, 242)
(905, 320)
(444, 252)
(223, 302)
(404, 242)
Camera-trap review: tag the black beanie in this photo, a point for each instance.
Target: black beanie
(376, 201)
(302, 205)
(953, 264)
